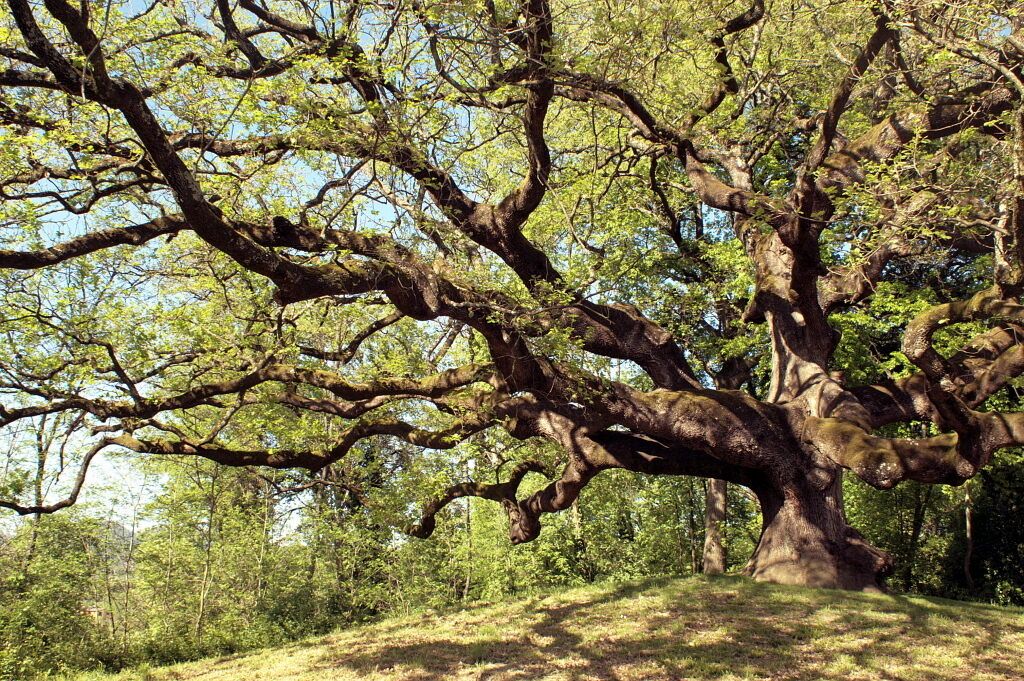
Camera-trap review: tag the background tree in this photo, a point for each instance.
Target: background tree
(266, 233)
(47, 584)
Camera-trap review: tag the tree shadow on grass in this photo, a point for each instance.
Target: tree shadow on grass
(518, 653)
(691, 629)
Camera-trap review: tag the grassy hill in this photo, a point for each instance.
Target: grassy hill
(721, 628)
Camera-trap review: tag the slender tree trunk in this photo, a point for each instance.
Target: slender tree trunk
(917, 526)
(806, 540)
(201, 610)
(735, 373)
(129, 562)
(969, 549)
(204, 588)
(679, 506)
(264, 545)
(579, 538)
(469, 550)
(692, 526)
(37, 491)
(109, 589)
(714, 516)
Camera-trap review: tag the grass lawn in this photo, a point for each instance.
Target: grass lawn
(699, 628)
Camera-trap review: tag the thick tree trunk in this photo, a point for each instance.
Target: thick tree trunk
(714, 550)
(806, 541)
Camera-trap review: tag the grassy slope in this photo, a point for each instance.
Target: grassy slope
(722, 628)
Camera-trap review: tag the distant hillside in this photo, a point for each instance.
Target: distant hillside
(724, 628)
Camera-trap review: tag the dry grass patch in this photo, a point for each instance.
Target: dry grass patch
(725, 629)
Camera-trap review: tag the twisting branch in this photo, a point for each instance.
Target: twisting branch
(76, 488)
(504, 492)
(917, 340)
(256, 60)
(349, 351)
(313, 460)
(355, 101)
(727, 85)
(882, 35)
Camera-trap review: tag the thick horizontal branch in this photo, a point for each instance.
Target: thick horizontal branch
(429, 387)
(309, 459)
(950, 458)
(90, 243)
(883, 462)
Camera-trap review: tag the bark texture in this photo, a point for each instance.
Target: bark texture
(714, 548)
(807, 541)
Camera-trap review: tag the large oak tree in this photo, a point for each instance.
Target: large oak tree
(631, 230)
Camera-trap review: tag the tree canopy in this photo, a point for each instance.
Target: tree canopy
(760, 242)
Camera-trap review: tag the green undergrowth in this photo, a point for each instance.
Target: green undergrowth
(697, 628)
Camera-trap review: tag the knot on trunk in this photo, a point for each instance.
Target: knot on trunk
(865, 558)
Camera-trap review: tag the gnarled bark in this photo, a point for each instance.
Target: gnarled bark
(806, 540)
